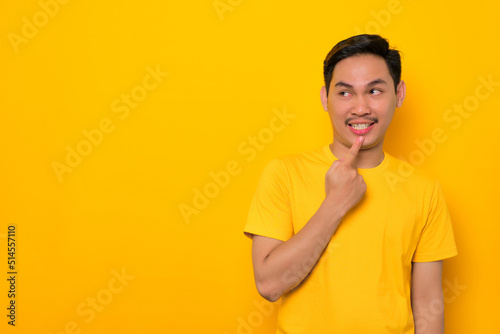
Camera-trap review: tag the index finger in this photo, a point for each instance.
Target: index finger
(353, 152)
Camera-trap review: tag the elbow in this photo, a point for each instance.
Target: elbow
(268, 291)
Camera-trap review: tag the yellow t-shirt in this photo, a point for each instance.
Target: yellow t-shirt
(362, 281)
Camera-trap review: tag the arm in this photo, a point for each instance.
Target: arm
(427, 297)
(281, 266)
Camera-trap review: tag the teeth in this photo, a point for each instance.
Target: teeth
(360, 126)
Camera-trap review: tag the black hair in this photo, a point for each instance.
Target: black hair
(363, 44)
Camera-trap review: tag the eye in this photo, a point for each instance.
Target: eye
(345, 94)
(375, 91)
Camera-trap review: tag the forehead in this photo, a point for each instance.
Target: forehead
(361, 69)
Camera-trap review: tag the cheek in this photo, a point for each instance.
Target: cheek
(338, 110)
(388, 104)
(381, 106)
(384, 109)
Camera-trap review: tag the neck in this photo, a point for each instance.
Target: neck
(367, 157)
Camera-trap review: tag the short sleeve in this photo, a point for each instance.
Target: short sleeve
(437, 239)
(270, 214)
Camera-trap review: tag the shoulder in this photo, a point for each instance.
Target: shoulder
(410, 175)
(311, 156)
(285, 168)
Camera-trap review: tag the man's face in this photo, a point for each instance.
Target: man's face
(361, 100)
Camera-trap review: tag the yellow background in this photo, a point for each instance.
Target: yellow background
(119, 208)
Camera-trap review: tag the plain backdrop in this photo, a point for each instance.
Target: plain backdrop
(133, 134)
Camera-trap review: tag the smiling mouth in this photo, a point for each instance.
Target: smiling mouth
(361, 123)
(360, 126)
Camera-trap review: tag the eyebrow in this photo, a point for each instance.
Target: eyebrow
(371, 83)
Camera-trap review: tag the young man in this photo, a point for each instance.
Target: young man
(350, 238)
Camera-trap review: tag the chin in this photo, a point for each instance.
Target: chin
(371, 143)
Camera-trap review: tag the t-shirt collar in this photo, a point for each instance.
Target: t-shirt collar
(362, 171)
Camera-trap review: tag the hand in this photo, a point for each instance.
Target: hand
(344, 187)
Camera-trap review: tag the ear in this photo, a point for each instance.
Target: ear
(324, 98)
(400, 93)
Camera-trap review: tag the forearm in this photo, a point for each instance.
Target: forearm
(428, 314)
(290, 263)
(281, 266)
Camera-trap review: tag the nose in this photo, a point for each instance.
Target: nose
(361, 107)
